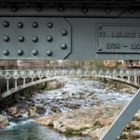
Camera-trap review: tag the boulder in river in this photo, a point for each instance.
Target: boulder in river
(13, 111)
(3, 121)
(90, 121)
(40, 109)
(54, 84)
(32, 113)
(18, 110)
(47, 121)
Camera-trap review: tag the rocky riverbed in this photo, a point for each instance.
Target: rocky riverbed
(77, 107)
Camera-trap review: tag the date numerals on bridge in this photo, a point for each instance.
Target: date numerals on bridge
(115, 46)
(118, 39)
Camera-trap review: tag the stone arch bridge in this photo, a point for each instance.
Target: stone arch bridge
(30, 77)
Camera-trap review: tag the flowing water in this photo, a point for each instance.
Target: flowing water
(75, 94)
(27, 130)
(78, 94)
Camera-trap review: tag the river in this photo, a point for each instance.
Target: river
(75, 94)
(27, 130)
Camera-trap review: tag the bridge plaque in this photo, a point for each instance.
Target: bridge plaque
(118, 39)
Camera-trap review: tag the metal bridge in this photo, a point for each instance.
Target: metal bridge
(71, 29)
(30, 77)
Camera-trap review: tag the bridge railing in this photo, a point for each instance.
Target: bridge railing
(44, 72)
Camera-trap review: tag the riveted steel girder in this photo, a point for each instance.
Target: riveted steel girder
(69, 38)
(73, 29)
(29, 38)
(91, 3)
(39, 32)
(34, 31)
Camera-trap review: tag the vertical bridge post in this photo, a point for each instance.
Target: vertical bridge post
(7, 84)
(15, 83)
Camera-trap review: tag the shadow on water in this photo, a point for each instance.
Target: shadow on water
(32, 131)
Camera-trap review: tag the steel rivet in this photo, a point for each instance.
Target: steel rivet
(14, 9)
(20, 38)
(39, 8)
(132, 11)
(61, 9)
(85, 10)
(27, 4)
(108, 10)
(35, 39)
(34, 52)
(34, 24)
(49, 38)
(50, 24)
(64, 32)
(6, 24)
(63, 46)
(20, 52)
(20, 25)
(3, 4)
(49, 52)
(6, 52)
(6, 38)
(122, 5)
